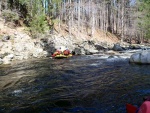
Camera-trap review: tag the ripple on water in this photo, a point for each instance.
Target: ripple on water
(144, 91)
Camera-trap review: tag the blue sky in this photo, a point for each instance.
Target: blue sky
(132, 2)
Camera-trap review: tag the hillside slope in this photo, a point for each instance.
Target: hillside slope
(98, 36)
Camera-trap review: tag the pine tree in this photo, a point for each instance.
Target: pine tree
(144, 18)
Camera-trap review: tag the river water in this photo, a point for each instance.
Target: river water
(81, 84)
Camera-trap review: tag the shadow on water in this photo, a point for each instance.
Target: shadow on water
(81, 84)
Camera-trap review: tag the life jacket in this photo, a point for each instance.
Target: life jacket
(66, 52)
(57, 52)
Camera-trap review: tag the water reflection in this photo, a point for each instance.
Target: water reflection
(83, 84)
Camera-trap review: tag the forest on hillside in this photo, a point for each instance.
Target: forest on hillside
(127, 19)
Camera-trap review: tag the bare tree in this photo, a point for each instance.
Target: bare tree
(79, 17)
(122, 20)
(0, 7)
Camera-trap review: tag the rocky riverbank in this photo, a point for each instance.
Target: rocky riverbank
(21, 46)
(16, 44)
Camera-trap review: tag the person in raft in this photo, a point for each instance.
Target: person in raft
(57, 52)
(61, 50)
(66, 51)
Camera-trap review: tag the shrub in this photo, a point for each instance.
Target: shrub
(38, 25)
(10, 16)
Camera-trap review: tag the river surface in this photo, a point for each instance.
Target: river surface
(81, 84)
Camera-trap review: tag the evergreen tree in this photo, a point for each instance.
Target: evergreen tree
(35, 13)
(144, 23)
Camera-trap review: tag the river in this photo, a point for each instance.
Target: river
(81, 84)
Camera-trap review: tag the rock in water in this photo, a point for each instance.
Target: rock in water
(141, 57)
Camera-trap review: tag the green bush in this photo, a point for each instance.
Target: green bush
(10, 16)
(38, 25)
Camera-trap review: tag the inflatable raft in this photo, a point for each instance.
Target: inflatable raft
(144, 108)
(60, 56)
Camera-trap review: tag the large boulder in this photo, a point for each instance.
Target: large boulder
(134, 47)
(117, 47)
(77, 51)
(85, 48)
(99, 47)
(141, 57)
(89, 47)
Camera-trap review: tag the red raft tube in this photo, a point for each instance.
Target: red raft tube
(144, 108)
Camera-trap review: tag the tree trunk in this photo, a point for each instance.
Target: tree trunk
(93, 20)
(70, 16)
(0, 7)
(122, 21)
(78, 17)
